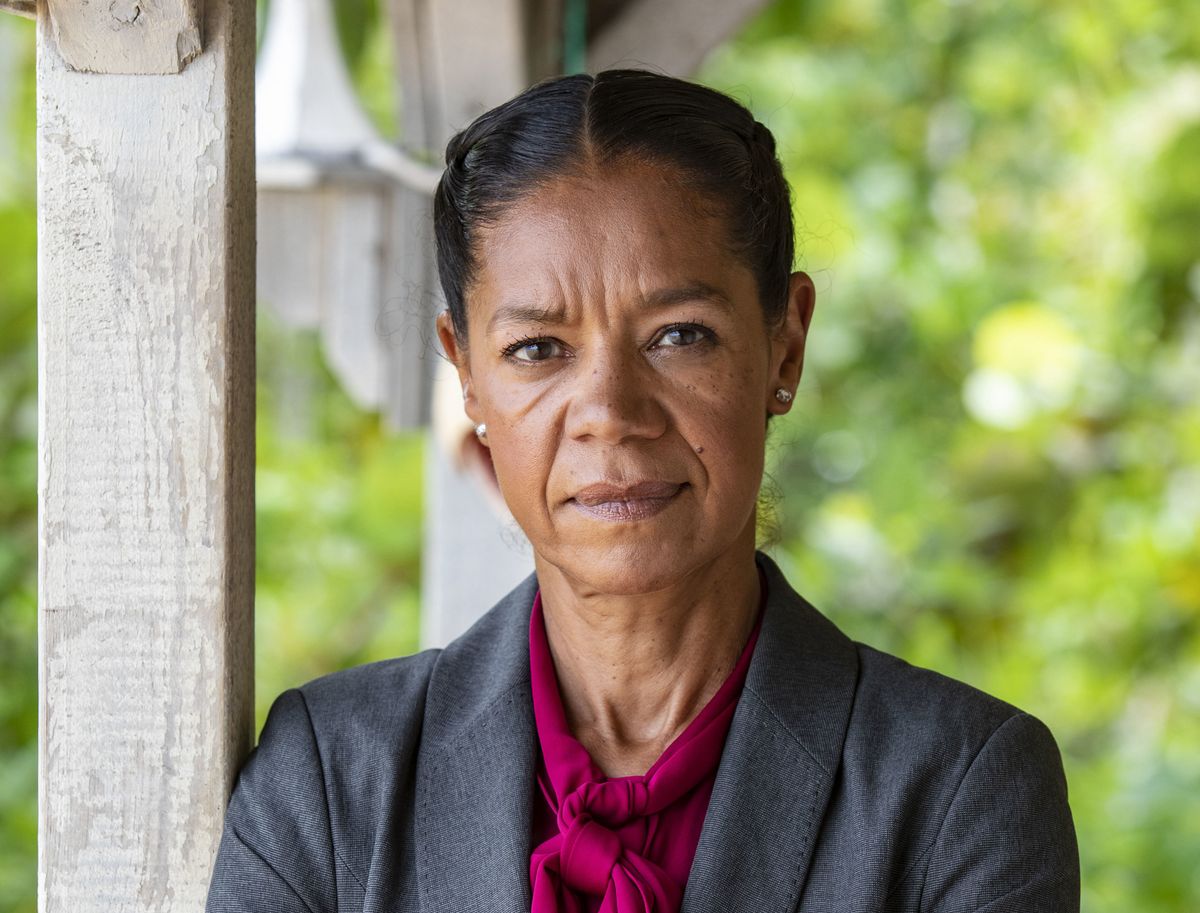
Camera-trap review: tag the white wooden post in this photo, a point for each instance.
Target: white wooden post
(146, 448)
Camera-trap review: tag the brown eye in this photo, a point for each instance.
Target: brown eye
(684, 334)
(531, 350)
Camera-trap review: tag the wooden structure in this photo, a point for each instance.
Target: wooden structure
(146, 265)
(146, 446)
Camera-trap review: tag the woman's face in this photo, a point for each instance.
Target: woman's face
(618, 354)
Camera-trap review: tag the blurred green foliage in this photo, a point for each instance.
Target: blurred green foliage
(18, 473)
(338, 506)
(993, 464)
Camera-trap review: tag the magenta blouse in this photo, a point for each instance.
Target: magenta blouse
(620, 844)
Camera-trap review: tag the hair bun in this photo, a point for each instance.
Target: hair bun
(760, 134)
(457, 148)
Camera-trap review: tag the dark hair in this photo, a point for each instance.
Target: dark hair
(710, 139)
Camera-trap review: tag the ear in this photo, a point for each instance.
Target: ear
(787, 342)
(458, 356)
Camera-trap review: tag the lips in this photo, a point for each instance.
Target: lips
(623, 502)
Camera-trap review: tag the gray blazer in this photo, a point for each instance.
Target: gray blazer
(850, 782)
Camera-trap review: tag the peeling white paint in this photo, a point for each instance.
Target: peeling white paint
(127, 36)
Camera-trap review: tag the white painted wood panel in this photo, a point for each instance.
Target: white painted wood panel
(146, 468)
(127, 36)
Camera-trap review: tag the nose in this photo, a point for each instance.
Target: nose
(616, 395)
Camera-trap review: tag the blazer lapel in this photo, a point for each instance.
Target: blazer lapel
(780, 759)
(475, 771)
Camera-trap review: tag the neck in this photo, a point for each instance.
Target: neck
(634, 670)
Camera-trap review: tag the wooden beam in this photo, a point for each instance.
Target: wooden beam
(671, 36)
(127, 36)
(146, 467)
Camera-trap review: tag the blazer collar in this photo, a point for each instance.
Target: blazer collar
(476, 766)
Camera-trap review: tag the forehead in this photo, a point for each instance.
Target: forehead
(604, 234)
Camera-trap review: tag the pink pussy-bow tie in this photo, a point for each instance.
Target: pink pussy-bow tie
(600, 823)
(604, 822)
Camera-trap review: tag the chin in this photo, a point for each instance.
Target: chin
(629, 568)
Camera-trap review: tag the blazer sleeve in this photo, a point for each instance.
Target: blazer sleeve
(276, 853)
(1007, 843)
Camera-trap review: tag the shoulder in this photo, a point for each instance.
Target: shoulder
(890, 724)
(345, 717)
(362, 724)
(971, 786)
(918, 724)
(372, 718)
(908, 699)
(313, 793)
(338, 723)
(356, 703)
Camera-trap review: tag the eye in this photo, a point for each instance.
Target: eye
(531, 349)
(679, 335)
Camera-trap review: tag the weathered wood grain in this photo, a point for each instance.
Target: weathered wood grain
(128, 36)
(146, 468)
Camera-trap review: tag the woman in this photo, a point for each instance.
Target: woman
(654, 720)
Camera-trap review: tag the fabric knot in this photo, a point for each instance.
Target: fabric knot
(589, 853)
(612, 802)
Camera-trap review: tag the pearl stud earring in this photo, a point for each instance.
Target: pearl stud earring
(481, 431)
(783, 395)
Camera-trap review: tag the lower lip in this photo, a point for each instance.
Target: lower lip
(633, 509)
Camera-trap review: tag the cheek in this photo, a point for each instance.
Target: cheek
(523, 452)
(732, 456)
(521, 465)
(522, 433)
(723, 421)
(724, 405)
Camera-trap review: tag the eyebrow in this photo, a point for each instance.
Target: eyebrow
(694, 290)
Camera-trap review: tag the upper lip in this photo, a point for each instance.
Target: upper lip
(624, 491)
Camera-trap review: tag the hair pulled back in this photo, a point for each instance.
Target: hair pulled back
(711, 140)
